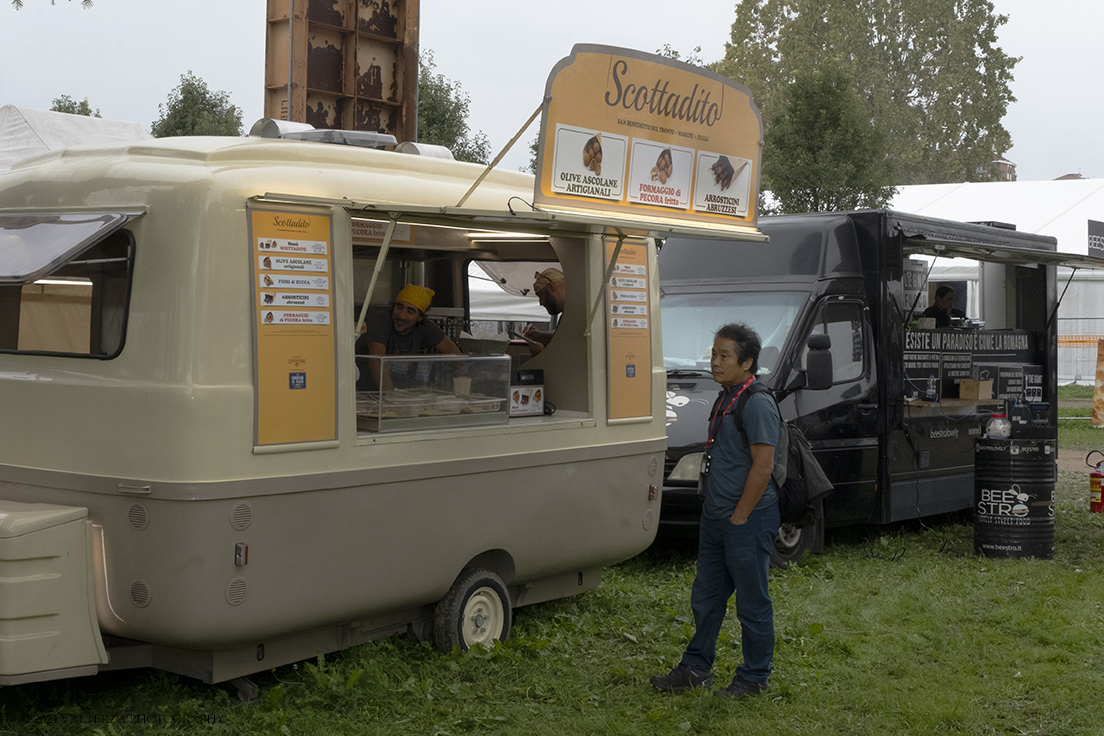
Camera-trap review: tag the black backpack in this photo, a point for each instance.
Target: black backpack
(800, 480)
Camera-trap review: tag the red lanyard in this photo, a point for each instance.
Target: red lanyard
(713, 424)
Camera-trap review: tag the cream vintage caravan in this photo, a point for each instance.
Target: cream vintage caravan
(186, 461)
(189, 477)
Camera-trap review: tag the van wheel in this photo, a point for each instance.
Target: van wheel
(793, 540)
(476, 610)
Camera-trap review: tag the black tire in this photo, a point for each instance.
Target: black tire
(476, 610)
(794, 541)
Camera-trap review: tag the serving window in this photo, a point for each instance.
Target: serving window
(65, 283)
(466, 271)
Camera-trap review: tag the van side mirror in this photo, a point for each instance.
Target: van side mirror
(818, 363)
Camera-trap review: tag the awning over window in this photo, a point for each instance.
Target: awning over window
(527, 220)
(34, 245)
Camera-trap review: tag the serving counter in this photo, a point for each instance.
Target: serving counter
(416, 392)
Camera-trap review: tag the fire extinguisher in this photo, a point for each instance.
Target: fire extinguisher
(1095, 501)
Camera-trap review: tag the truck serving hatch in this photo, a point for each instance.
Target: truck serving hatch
(982, 242)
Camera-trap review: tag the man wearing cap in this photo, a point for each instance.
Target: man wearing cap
(403, 331)
(551, 289)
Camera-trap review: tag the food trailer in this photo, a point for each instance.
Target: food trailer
(189, 479)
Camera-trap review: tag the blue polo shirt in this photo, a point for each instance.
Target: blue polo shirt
(730, 459)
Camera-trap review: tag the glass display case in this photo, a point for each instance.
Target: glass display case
(433, 392)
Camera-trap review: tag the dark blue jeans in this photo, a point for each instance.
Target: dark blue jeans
(734, 559)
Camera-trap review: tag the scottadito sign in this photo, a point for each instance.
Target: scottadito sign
(627, 131)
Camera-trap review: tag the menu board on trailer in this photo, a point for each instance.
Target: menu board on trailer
(630, 342)
(628, 132)
(294, 346)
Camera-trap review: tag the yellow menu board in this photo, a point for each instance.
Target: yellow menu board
(630, 341)
(295, 346)
(629, 132)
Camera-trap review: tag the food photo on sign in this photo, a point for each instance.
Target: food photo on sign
(589, 163)
(660, 174)
(722, 184)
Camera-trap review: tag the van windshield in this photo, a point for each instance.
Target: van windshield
(689, 321)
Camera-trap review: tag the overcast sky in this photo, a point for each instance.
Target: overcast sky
(125, 56)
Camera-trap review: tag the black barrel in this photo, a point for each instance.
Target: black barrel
(1014, 497)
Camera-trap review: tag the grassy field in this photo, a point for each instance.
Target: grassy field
(894, 630)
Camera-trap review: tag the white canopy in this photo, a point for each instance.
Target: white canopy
(26, 132)
(1061, 209)
(1058, 208)
(494, 299)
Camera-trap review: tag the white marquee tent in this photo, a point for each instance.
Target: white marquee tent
(26, 132)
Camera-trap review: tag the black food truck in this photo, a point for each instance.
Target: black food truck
(894, 424)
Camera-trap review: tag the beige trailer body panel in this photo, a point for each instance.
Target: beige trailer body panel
(206, 540)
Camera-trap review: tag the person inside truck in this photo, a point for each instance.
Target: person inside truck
(403, 330)
(739, 522)
(551, 289)
(943, 308)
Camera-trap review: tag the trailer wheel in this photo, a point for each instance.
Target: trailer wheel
(793, 541)
(476, 610)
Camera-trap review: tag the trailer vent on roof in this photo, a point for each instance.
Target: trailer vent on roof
(425, 149)
(360, 138)
(272, 128)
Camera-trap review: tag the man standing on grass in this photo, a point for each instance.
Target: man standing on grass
(739, 522)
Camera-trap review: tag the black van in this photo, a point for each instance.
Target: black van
(891, 429)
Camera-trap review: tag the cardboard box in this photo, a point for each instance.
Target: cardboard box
(1001, 374)
(975, 390)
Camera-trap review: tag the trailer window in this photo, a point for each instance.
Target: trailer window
(500, 295)
(64, 284)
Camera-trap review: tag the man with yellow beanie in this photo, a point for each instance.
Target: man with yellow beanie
(403, 331)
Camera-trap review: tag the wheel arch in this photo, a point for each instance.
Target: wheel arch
(498, 561)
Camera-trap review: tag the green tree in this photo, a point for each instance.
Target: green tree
(930, 72)
(85, 3)
(821, 152)
(693, 58)
(65, 103)
(193, 109)
(534, 150)
(443, 115)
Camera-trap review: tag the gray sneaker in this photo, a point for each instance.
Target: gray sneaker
(683, 677)
(740, 688)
